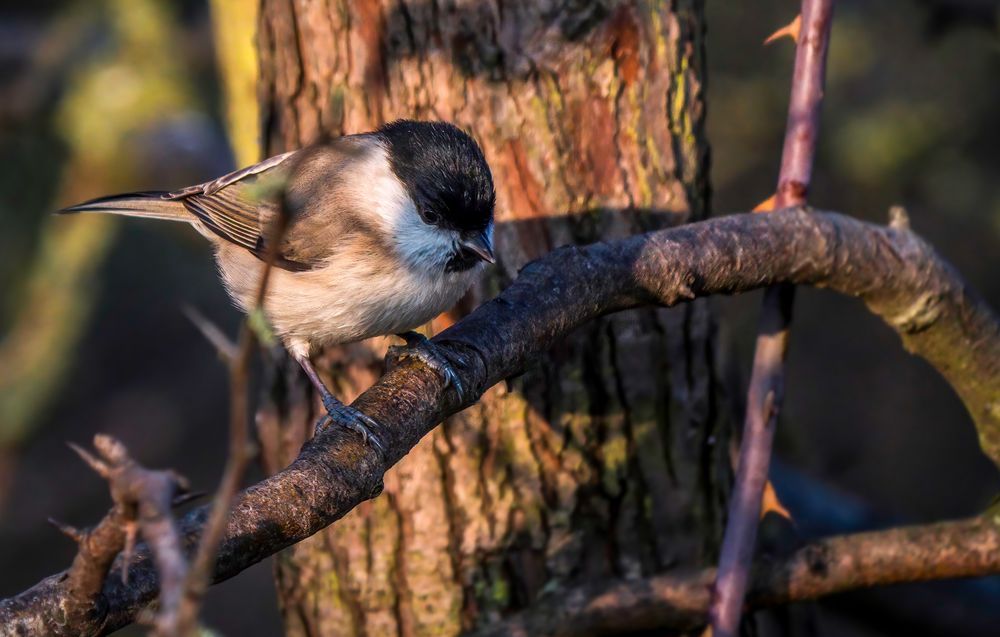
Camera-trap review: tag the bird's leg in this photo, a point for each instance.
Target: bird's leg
(337, 411)
(419, 347)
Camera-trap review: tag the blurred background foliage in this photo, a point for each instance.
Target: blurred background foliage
(122, 90)
(98, 96)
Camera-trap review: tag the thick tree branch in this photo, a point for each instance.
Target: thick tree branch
(966, 548)
(891, 269)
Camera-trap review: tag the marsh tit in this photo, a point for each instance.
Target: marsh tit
(386, 230)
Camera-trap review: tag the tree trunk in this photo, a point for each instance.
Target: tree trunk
(609, 458)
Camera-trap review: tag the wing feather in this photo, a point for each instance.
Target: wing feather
(215, 219)
(211, 187)
(237, 208)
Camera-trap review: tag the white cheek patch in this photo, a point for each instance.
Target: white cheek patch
(377, 192)
(424, 246)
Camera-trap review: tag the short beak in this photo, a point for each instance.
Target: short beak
(481, 245)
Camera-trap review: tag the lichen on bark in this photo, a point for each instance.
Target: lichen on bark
(605, 458)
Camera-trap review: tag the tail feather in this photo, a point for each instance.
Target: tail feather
(149, 205)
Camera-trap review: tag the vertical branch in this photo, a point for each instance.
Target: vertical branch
(804, 103)
(765, 394)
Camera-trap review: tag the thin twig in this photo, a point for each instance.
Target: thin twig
(203, 563)
(901, 279)
(227, 350)
(765, 394)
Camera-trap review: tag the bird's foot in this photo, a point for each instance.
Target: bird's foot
(338, 412)
(419, 347)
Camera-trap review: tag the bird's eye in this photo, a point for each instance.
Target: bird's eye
(431, 217)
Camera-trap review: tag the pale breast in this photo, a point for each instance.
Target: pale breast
(348, 300)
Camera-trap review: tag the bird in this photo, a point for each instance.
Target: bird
(385, 230)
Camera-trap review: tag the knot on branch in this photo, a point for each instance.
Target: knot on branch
(920, 314)
(817, 559)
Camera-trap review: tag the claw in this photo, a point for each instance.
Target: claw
(418, 346)
(338, 412)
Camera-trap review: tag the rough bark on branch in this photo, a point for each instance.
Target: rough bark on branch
(898, 275)
(965, 548)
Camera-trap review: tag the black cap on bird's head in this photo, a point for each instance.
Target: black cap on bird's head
(445, 173)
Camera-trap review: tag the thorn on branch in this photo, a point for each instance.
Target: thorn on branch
(790, 30)
(102, 469)
(765, 206)
(772, 504)
(898, 218)
(69, 531)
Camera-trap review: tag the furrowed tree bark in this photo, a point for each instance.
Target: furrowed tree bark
(607, 458)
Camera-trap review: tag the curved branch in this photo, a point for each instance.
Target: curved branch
(897, 274)
(966, 548)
